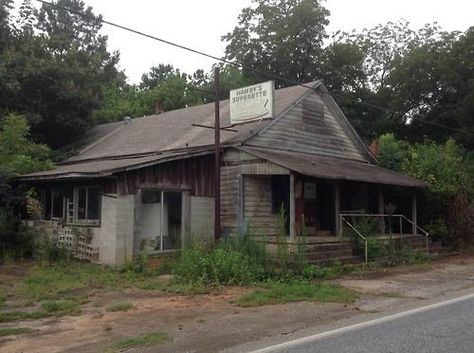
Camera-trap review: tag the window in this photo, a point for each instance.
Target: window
(52, 200)
(87, 204)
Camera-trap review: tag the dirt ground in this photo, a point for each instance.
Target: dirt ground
(211, 323)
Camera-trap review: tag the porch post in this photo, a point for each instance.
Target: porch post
(337, 207)
(241, 215)
(381, 209)
(162, 214)
(292, 206)
(414, 213)
(185, 219)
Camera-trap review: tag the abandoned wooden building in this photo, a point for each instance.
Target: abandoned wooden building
(147, 183)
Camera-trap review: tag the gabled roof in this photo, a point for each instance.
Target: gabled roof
(121, 146)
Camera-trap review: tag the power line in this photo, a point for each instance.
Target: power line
(125, 28)
(225, 61)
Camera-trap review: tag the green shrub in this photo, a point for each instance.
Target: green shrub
(16, 242)
(438, 230)
(139, 265)
(238, 260)
(47, 250)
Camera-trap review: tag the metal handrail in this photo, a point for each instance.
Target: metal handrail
(427, 235)
(359, 234)
(400, 216)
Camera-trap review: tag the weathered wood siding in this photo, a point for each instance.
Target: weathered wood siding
(238, 192)
(258, 205)
(194, 174)
(312, 126)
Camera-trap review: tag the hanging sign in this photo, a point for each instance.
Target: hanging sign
(251, 103)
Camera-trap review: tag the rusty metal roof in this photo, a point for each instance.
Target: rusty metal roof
(334, 168)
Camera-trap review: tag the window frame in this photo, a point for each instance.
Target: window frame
(86, 221)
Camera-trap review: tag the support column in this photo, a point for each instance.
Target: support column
(337, 207)
(162, 215)
(414, 213)
(381, 209)
(292, 207)
(241, 215)
(185, 219)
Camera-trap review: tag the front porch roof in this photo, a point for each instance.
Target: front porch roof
(334, 168)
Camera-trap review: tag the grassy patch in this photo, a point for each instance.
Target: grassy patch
(48, 308)
(3, 301)
(22, 315)
(6, 331)
(149, 339)
(66, 280)
(120, 307)
(60, 307)
(280, 293)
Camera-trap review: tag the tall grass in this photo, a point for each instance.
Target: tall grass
(234, 261)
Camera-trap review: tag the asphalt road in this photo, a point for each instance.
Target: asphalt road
(443, 328)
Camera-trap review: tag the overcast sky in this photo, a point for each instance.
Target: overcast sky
(201, 23)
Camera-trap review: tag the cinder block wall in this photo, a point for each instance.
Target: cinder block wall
(105, 236)
(125, 229)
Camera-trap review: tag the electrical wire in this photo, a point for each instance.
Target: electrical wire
(233, 63)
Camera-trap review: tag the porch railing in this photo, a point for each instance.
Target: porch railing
(345, 218)
(359, 234)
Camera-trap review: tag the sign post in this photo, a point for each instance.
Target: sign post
(217, 159)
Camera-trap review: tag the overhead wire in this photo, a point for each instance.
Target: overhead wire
(229, 62)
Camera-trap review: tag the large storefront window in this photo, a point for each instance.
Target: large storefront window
(160, 221)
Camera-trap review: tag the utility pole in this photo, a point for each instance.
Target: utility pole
(217, 159)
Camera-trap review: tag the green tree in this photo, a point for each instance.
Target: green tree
(393, 152)
(5, 27)
(54, 74)
(18, 155)
(160, 74)
(283, 37)
(432, 86)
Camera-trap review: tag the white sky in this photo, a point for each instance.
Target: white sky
(201, 23)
